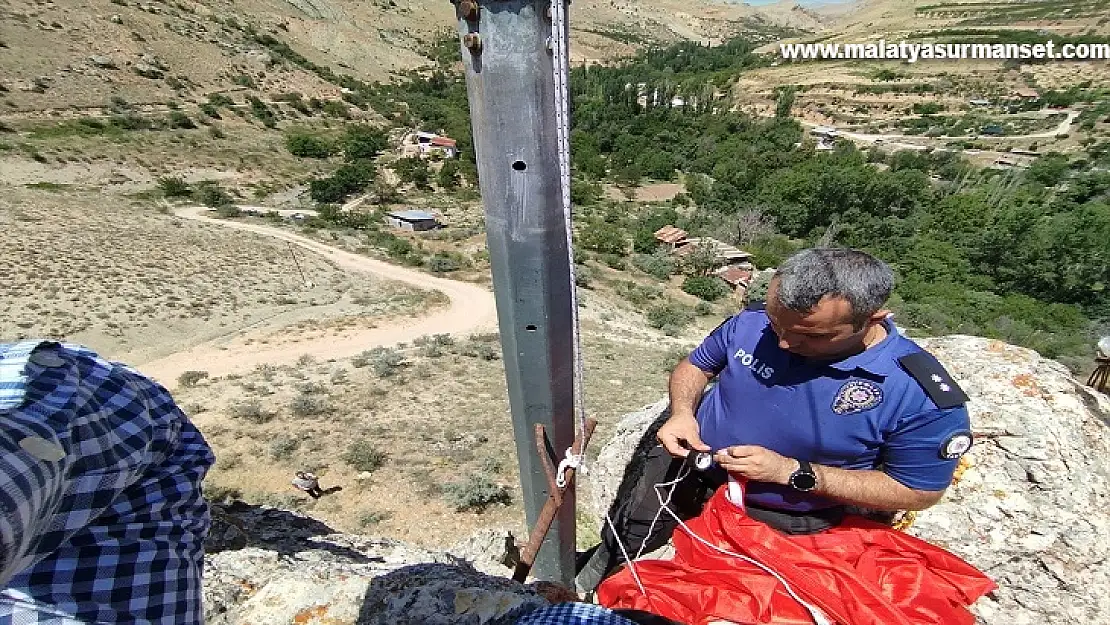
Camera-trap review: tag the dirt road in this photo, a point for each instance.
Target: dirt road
(471, 310)
(1062, 128)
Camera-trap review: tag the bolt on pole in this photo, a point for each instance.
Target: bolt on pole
(511, 90)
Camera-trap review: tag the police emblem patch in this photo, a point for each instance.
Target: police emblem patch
(857, 396)
(955, 446)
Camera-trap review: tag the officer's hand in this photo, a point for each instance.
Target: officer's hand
(679, 435)
(756, 463)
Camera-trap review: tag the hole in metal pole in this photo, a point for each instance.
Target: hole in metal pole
(530, 327)
(520, 165)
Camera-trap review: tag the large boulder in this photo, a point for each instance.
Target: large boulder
(1033, 509)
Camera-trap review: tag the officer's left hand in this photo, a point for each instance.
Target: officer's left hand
(756, 463)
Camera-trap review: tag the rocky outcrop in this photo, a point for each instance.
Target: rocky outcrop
(1033, 509)
(266, 566)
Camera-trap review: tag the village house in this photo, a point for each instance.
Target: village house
(426, 144)
(731, 265)
(412, 220)
(670, 236)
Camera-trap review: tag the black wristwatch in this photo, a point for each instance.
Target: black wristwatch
(804, 479)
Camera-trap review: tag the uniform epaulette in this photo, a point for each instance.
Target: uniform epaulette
(931, 375)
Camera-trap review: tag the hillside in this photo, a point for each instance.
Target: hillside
(65, 56)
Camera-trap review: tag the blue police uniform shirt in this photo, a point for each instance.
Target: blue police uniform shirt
(861, 412)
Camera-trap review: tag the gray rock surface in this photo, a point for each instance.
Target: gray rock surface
(266, 566)
(493, 551)
(1033, 509)
(437, 594)
(102, 61)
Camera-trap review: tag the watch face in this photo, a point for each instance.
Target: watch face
(803, 481)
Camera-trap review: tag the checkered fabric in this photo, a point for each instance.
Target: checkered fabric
(101, 514)
(573, 614)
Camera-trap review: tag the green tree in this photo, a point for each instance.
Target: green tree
(785, 101)
(604, 238)
(305, 145)
(448, 176)
(363, 142)
(1048, 170)
(350, 178)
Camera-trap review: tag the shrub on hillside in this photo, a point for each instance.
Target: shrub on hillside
(443, 263)
(211, 194)
(171, 186)
(220, 494)
(670, 318)
(707, 288)
(362, 456)
(191, 378)
(283, 447)
(658, 266)
(350, 178)
(476, 492)
(584, 276)
(305, 405)
(177, 119)
(305, 145)
(384, 361)
(250, 410)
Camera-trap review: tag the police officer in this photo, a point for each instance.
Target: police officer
(820, 406)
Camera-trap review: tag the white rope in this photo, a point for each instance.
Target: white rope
(571, 461)
(560, 73)
(815, 613)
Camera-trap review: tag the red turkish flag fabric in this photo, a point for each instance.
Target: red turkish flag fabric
(858, 573)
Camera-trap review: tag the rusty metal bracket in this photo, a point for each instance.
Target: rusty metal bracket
(554, 497)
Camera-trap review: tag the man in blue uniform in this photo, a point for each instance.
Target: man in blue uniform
(820, 405)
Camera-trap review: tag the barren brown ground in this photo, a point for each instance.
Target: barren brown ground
(138, 285)
(150, 284)
(470, 309)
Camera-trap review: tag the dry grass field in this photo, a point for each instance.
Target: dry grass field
(126, 279)
(408, 441)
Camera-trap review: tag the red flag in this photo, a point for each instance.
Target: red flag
(858, 573)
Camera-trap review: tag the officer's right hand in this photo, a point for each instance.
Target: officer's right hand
(679, 435)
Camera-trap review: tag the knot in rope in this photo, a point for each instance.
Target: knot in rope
(571, 461)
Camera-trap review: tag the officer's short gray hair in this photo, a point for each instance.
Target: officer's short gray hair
(810, 275)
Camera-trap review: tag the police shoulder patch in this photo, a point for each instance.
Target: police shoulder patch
(924, 368)
(956, 445)
(857, 396)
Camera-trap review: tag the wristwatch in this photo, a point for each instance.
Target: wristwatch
(803, 479)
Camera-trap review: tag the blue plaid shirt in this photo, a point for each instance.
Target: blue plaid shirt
(101, 513)
(573, 614)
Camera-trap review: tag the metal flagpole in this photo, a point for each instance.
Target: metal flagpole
(510, 86)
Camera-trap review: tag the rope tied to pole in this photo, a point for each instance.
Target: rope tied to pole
(559, 44)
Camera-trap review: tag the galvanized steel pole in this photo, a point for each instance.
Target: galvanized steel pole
(512, 94)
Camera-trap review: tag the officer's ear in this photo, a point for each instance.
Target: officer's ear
(876, 318)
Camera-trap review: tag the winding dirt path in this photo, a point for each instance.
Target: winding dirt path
(1062, 128)
(471, 309)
